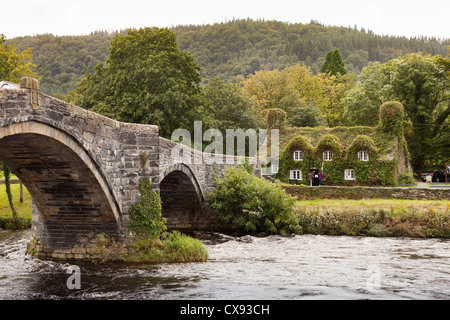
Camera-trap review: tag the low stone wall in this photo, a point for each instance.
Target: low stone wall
(356, 193)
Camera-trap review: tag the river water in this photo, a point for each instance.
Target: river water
(274, 267)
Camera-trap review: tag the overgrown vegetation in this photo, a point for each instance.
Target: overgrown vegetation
(375, 217)
(151, 242)
(145, 216)
(245, 203)
(175, 247)
(386, 151)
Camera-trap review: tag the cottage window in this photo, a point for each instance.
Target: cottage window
(274, 168)
(363, 155)
(296, 175)
(349, 174)
(327, 155)
(298, 155)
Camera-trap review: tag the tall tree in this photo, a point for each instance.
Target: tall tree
(295, 88)
(147, 79)
(334, 64)
(7, 173)
(13, 64)
(228, 106)
(421, 83)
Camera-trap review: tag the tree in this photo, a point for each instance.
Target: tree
(13, 64)
(421, 83)
(309, 116)
(228, 106)
(147, 79)
(295, 88)
(7, 174)
(273, 90)
(334, 63)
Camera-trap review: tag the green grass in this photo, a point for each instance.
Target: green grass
(386, 204)
(376, 217)
(175, 248)
(23, 209)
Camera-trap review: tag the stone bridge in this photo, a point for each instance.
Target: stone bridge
(83, 170)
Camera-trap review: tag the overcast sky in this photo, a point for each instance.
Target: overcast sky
(61, 17)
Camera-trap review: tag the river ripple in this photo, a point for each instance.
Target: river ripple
(274, 267)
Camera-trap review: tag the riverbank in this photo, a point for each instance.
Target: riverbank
(375, 217)
(364, 217)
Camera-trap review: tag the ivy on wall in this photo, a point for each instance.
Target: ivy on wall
(275, 118)
(287, 162)
(375, 168)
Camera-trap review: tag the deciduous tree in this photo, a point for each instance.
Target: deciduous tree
(422, 84)
(13, 64)
(147, 79)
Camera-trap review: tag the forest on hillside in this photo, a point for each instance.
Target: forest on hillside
(234, 74)
(230, 51)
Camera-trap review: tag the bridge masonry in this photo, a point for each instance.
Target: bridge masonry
(83, 170)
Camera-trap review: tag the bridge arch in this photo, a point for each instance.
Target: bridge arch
(72, 200)
(182, 198)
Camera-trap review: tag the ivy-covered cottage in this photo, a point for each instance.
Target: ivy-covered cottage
(347, 155)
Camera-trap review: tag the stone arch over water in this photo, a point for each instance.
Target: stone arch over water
(182, 198)
(72, 202)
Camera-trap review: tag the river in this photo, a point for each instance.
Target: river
(273, 267)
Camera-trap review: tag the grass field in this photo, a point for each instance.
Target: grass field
(368, 204)
(23, 209)
(376, 217)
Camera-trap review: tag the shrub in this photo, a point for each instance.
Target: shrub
(152, 244)
(182, 248)
(145, 216)
(245, 203)
(176, 247)
(406, 178)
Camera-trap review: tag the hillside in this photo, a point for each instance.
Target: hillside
(230, 50)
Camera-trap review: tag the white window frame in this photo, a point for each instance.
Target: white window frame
(295, 174)
(363, 155)
(327, 155)
(274, 168)
(349, 174)
(298, 155)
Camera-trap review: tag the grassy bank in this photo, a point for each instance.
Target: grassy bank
(23, 208)
(176, 247)
(375, 217)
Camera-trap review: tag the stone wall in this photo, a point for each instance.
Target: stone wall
(356, 193)
(82, 169)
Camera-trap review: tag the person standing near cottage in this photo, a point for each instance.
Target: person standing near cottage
(310, 178)
(321, 177)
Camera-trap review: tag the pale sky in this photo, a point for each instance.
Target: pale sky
(62, 17)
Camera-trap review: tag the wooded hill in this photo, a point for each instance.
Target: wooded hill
(230, 50)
